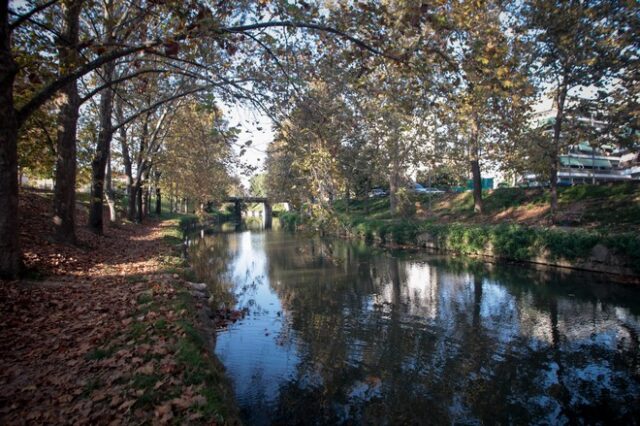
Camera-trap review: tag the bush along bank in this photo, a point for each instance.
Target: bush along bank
(617, 254)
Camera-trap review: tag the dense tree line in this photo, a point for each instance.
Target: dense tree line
(457, 94)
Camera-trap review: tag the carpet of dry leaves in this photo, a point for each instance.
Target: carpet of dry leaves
(103, 335)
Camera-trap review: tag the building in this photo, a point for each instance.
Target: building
(585, 163)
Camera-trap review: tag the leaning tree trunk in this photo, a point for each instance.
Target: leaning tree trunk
(64, 197)
(10, 262)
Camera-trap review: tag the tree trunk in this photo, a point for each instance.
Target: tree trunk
(10, 262)
(158, 209)
(110, 193)
(146, 200)
(131, 205)
(394, 178)
(478, 204)
(147, 210)
(126, 161)
(64, 196)
(553, 155)
(346, 196)
(158, 201)
(99, 162)
(139, 210)
(103, 149)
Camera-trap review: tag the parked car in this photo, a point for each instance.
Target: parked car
(377, 193)
(419, 189)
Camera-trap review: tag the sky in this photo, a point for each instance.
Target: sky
(255, 126)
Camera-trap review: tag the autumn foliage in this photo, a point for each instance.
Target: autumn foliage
(109, 337)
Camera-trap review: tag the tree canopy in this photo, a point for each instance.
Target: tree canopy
(361, 94)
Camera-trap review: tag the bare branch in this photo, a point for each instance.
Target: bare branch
(308, 25)
(158, 103)
(27, 16)
(120, 80)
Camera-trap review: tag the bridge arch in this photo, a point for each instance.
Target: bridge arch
(267, 212)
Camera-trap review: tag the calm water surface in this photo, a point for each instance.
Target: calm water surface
(343, 333)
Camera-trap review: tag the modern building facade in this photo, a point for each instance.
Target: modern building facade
(587, 162)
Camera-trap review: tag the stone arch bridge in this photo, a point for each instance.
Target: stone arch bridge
(267, 212)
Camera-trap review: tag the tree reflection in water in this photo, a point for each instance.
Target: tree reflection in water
(210, 257)
(357, 335)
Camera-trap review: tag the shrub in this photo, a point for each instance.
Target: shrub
(187, 222)
(406, 206)
(289, 220)
(404, 232)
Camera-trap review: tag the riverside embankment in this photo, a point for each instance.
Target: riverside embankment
(596, 229)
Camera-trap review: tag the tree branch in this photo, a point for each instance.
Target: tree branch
(308, 25)
(50, 90)
(22, 18)
(158, 103)
(119, 80)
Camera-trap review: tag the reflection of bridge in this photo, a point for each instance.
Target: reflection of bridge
(237, 210)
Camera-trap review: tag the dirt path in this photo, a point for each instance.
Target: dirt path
(108, 337)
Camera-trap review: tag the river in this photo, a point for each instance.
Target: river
(338, 332)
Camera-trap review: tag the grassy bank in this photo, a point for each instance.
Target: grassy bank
(614, 207)
(176, 375)
(506, 241)
(598, 225)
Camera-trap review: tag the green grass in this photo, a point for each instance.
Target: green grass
(100, 353)
(201, 369)
(187, 221)
(601, 206)
(606, 215)
(144, 298)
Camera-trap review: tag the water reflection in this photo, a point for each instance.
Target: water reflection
(341, 333)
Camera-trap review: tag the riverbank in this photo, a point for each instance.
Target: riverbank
(106, 331)
(599, 229)
(616, 254)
